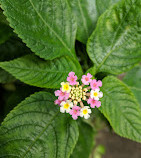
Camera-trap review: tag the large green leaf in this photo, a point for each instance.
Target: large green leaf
(121, 109)
(133, 80)
(85, 142)
(37, 72)
(87, 13)
(115, 46)
(36, 128)
(46, 26)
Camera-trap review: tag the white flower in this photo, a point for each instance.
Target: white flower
(65, 87)
(65, 106)
(95, 94)
(85, 111)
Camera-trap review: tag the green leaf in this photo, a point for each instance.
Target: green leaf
(86, 16)
(36, 128)
(121, 109)
(47, 27)
(37, 72)
(85, 142)
(133, 80)
(103, 5)
(115, 46)
(5, 30)
(87, 13)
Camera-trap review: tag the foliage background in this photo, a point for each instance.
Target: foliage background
(59, 42)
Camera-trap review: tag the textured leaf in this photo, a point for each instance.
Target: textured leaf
(115, 46)
(37, 72)
(87, 13)
(133, 80)
(121, 109)
(85, 142)
(103, 5)
(36, 128)
(5, 30)
(86, 16)
(47, 26)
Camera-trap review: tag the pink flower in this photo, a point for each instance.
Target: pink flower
(57, 102)
(95, 84)
(94, 103)
(86, 79)
(72, 78)
(61, 95)
(75, 112)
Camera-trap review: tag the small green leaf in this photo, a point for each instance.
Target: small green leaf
(37, 72)
(36, 128)
(115, 46)
(85, 141)
(121, 109)
(87, 13)
(47, 26)
(133, 80)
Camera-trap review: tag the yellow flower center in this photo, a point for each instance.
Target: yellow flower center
(66, 106)
(95, 94)
(85, 111)
(66, 87)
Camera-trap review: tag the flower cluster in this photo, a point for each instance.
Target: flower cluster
(72, 95)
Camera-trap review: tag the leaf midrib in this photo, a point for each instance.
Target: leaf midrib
(28, 69)
(112, 45)
(39, 135)
(55, 33)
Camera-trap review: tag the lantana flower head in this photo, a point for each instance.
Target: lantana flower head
(73, 94)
